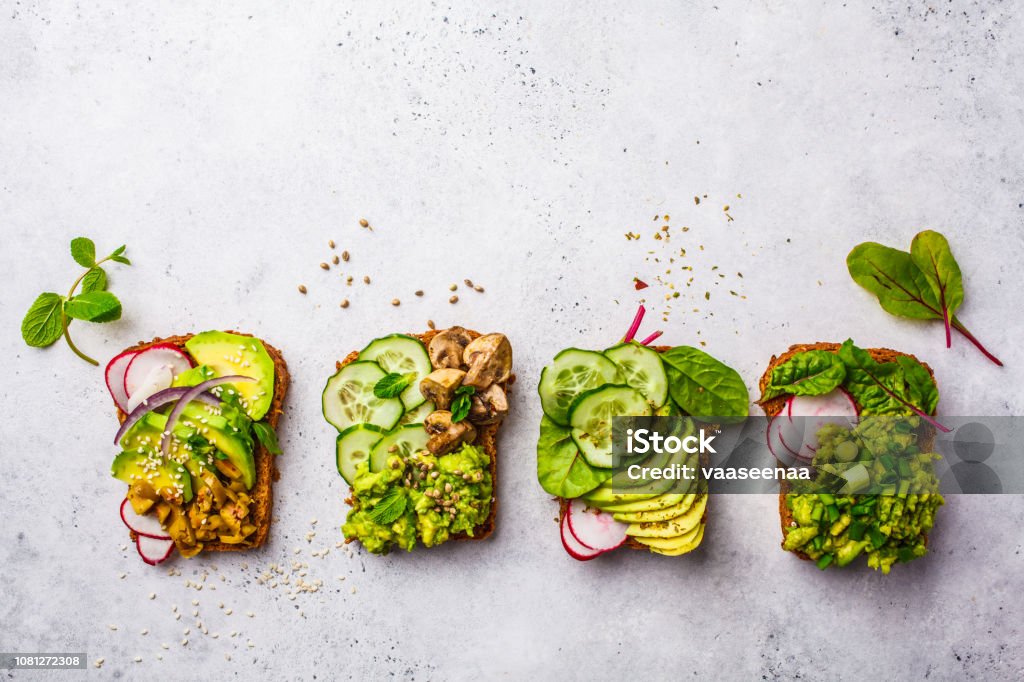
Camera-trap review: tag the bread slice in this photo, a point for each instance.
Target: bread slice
(563, 504)
(486, 439)
(772, 407)
(266, 469)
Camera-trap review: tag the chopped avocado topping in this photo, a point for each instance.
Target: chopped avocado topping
(229, 354)
(834, 529)
(421, 497)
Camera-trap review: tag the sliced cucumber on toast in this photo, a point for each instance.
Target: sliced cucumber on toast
(401, 354)
(353, 448)
(402, 441)
(642, 369)
(571, 373)
(590, 417)
(348, 398)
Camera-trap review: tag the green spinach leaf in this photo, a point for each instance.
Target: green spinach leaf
(561, 469)
(813, 372)
(705, 387)
(931, 254)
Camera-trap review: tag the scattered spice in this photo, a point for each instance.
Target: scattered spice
(363, 222)
(431, 325)
(334, 259)
(453, 287)
(395, 302)
(325, 266)
(330, 243)
(469, 283)
(479, 289)
(348, 280)
(419, 292)
(344, 256)
(366, 279)
(302, 288)
(344, 303)
(453, 299)
(639, 284)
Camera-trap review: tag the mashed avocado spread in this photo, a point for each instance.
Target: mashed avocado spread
(419, 497)
(880, 455)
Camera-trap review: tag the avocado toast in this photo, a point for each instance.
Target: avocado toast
(581, 392)
(198, 416)
(872, 416)
(418, 417)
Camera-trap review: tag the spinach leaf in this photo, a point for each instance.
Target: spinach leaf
(931, 254)
(884, 387)
(703, 386)
(813, 372)
(561, 469)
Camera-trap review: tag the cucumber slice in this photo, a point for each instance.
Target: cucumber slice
(349, 400)
(572, 372)
(417, 415)
(353, 448)
(403, 355)
(591, 419)
(402, 441)
(642, 369)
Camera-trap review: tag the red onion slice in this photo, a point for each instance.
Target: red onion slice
(192, 394)
(159, 399)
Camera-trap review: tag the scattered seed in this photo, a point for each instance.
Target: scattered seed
(334, 259)
(419, 292)
(144, 632)
(98, 662)
(478, 289)
(330, 243)
(430, 323)
(344, 256)
(395, 302)
(348, 280)
(366, 279)
(325, 266)
(453, 299)
(468, 282)
(302, 288)
(138, 659)
(363, 222)
(344, 304)
(453, 287)
(152, 595)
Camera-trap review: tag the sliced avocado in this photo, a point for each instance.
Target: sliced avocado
(651, 504)
(236, 445)
(136, 465)
(658, 514)
(675, 546)
(680, 525)
(228, 354)
(605, 495)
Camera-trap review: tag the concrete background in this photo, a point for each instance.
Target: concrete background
(514, 145)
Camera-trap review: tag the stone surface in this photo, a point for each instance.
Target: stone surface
(514, 145)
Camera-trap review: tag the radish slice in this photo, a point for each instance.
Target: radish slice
(144, 361)
(154, 550)
(143, 524)
(114, 376)
(807, 414)
(158, 379)
(838, 403)
(776, 446)
(573, 546)
(598, 531)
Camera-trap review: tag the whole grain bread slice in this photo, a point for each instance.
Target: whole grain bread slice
(486, 439)
(631, 543)
(261, 511)
(773, 406)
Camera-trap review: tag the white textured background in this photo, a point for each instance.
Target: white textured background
(513, 145)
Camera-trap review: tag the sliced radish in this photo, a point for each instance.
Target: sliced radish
(573, 546)
(838, 403)
(144, 361)
(143, 524)
(809, 413)
(114, 376)
(159, 378)
(776, 446)
(598, 531)
(154, 550)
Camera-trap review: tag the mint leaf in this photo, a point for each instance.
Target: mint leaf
(94, 280)
(120, 259)
(83, 250)
(267, 437)
(94, 306)
(392, 385)
(462, 402)
(389, 508)
(42, 324)
(118, 251)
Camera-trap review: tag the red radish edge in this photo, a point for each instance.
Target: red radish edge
(601, 523)
(572, 545)
(153, 550)
(114, 376)
(140, 524)
(142, 353)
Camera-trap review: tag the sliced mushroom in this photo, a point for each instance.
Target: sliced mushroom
(446, 348)
(489, 359)
(439, 386)
(489, 406)
(446, 435)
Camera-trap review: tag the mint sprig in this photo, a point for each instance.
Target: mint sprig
(389, 508)
(392, 385)
(50, 315)
(462, 402)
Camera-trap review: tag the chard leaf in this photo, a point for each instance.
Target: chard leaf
(813, 372)
(931, 254)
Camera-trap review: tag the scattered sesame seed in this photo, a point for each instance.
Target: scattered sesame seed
(98, 662)
(195, 602)
(152, 595)
(184, 642)
(112, 626)
(138, 659)
(145, 631)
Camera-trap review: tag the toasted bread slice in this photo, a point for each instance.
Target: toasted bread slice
(486, 439)
(773, 406)
(266, 469)
(563, 504)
